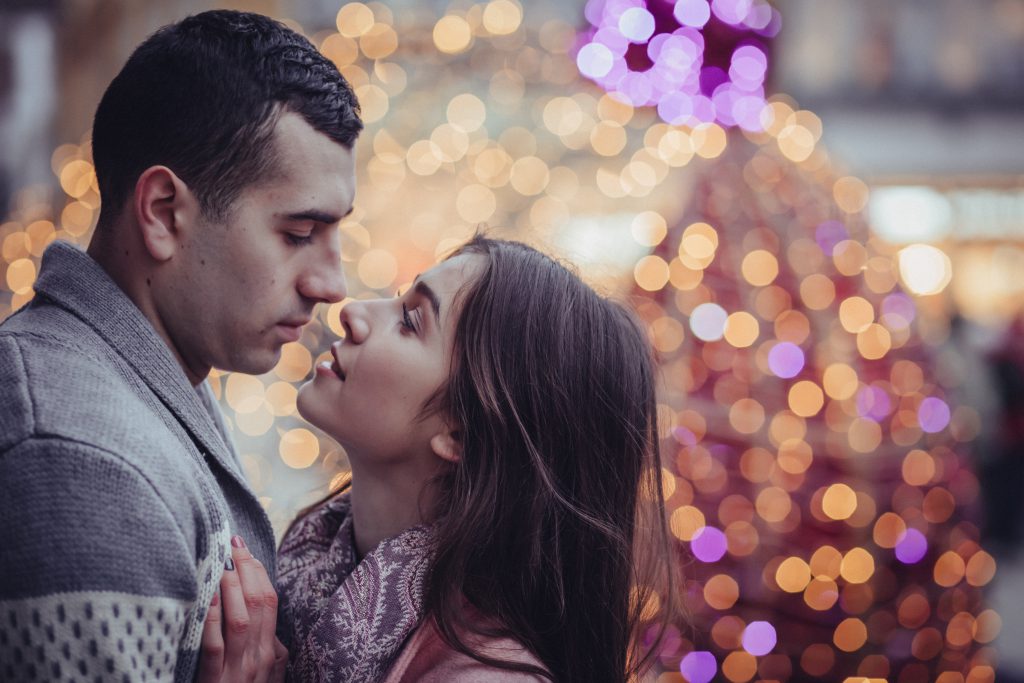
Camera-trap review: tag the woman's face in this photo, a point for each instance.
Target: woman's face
(395, 356)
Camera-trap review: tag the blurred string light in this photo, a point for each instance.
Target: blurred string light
(813, 470)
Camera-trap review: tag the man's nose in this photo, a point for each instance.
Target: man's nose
(325, 283)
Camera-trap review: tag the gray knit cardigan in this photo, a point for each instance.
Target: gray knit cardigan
(119, 489)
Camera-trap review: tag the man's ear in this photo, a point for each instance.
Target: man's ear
(447, 445)
(164, 206)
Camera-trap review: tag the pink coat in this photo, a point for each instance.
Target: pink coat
(426, 658)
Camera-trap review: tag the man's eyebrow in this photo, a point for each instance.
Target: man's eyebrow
(317, 216)
(423, 289)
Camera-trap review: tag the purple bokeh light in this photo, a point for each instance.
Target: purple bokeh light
(693, 13)
(684, 436)
(933, 415)
(897, 311)
(829, 234)
(732, 11)
(873, 402)
(698, 666)
(652, 53)
(595, 60)
(708, 544)
(637, 24)
(759, 638)
(786, 360)
(912, 547)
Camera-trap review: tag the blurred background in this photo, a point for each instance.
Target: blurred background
(816, 207)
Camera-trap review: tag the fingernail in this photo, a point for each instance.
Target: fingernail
(237, 542)
(216, 600)
(229, 564)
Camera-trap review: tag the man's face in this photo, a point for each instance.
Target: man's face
(245, 285)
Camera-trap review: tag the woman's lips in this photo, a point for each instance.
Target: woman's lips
(336, 365)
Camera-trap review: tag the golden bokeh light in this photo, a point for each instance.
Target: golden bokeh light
(889, 529)
(739, 666)
(760, 267)
(530, 175)
(648, 228)
(793, 575)
(299, 448)
(244, 393)
(721, 592)
(857, 566)
(354, 19)
(856, 314)
(949, 569)
(741, 329)
(476, 203)
(467, 111)
(851, 194)
(502, 17)
(295, 364)
(839, 501)
(850, 635)
(746, 416)
(21, 275)
(452, 34)
(817, 291)
(806, 398)
(685, 521)
(821, 594)
(651, 273)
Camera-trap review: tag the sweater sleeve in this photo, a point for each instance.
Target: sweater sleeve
(97, 580)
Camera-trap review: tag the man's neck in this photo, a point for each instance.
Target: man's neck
(121, 264)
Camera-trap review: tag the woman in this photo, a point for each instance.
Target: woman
(504, 518)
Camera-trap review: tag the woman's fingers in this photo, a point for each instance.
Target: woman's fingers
(280, 662)
(268, 623)
(238, 642)
(211, 647)
(251, 576)
(235, 615)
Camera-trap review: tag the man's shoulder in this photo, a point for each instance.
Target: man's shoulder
(61, 385)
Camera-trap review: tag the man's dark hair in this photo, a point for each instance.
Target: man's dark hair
(202, 97)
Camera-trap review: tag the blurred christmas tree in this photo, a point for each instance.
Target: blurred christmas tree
(816, 476)
(813, 460)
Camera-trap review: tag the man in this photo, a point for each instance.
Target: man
(223, 151)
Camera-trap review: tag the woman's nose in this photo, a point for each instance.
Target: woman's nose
(356, 321)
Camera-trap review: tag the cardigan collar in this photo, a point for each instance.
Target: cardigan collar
(71, 279)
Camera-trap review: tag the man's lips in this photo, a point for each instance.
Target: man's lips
(292, 329)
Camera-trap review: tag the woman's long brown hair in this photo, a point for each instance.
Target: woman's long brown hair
(552, 525)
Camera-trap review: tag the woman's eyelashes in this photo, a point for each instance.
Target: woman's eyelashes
(411, 319)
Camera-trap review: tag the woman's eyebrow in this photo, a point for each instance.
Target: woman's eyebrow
(423, 289)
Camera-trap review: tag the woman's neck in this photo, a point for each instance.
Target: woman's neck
(384, 503)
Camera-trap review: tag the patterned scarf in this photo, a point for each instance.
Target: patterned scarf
(345, 620)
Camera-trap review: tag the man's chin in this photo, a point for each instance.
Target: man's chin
(255, 362)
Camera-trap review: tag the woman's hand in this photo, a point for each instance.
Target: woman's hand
(239, 641)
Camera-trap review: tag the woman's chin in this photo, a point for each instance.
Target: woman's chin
(306, 402)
